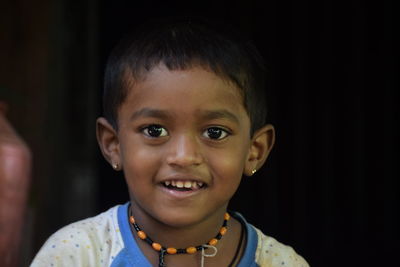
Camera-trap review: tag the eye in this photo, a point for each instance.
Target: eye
(154, 131)
(215, 133)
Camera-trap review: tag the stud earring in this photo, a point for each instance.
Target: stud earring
(253, 171)
(115, 166)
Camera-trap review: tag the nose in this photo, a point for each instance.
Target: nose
(184, 151)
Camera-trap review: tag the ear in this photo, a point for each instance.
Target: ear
(261, 145)
(107, 138)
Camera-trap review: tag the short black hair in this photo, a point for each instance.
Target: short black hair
(183, 44)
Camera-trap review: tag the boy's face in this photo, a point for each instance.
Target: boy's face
(183, 143)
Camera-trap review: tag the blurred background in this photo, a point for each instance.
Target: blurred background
(330, 187)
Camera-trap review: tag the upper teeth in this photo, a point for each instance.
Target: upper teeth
(184, 184)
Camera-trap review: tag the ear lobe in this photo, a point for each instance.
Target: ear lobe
(261, 145)
(108, 141)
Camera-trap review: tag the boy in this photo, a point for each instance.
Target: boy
(184, 119)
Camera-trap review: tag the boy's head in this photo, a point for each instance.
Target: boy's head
(181, 45)
(181, 102)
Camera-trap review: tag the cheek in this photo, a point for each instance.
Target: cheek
(139, 164)
(228, 168)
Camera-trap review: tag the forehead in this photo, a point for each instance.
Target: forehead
(194, 89)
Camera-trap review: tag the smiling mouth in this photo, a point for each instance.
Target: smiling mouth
(183, 185)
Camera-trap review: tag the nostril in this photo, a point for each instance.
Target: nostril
(184, 160)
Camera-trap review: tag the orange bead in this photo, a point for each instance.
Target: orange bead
(171, 251)
(191, 250)
(223, 230)
(156, 246)
(227, 216)
(213, 242)
(141, 234)
(132, 220)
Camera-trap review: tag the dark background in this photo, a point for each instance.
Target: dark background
(330, 187)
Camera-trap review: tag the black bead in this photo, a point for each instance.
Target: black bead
(136, 227)
(148, 240)
(198, 248)
(180, 251)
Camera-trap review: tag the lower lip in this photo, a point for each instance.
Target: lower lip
(180, 194)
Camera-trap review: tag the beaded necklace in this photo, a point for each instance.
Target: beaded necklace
(162, 251)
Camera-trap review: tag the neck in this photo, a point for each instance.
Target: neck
(179, 235)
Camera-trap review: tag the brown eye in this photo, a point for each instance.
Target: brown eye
(215, 133)
(155, 131)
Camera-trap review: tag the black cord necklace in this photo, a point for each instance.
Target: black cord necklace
(242, 234)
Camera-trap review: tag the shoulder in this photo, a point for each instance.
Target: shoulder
(91, 242)
(271, 253)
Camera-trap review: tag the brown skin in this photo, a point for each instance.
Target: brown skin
(15, 171)
(184, 105)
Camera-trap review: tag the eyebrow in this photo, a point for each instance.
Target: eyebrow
(206, 115)
(219, 114)
(149, 112)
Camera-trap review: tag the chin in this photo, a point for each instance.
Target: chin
(178, 219)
